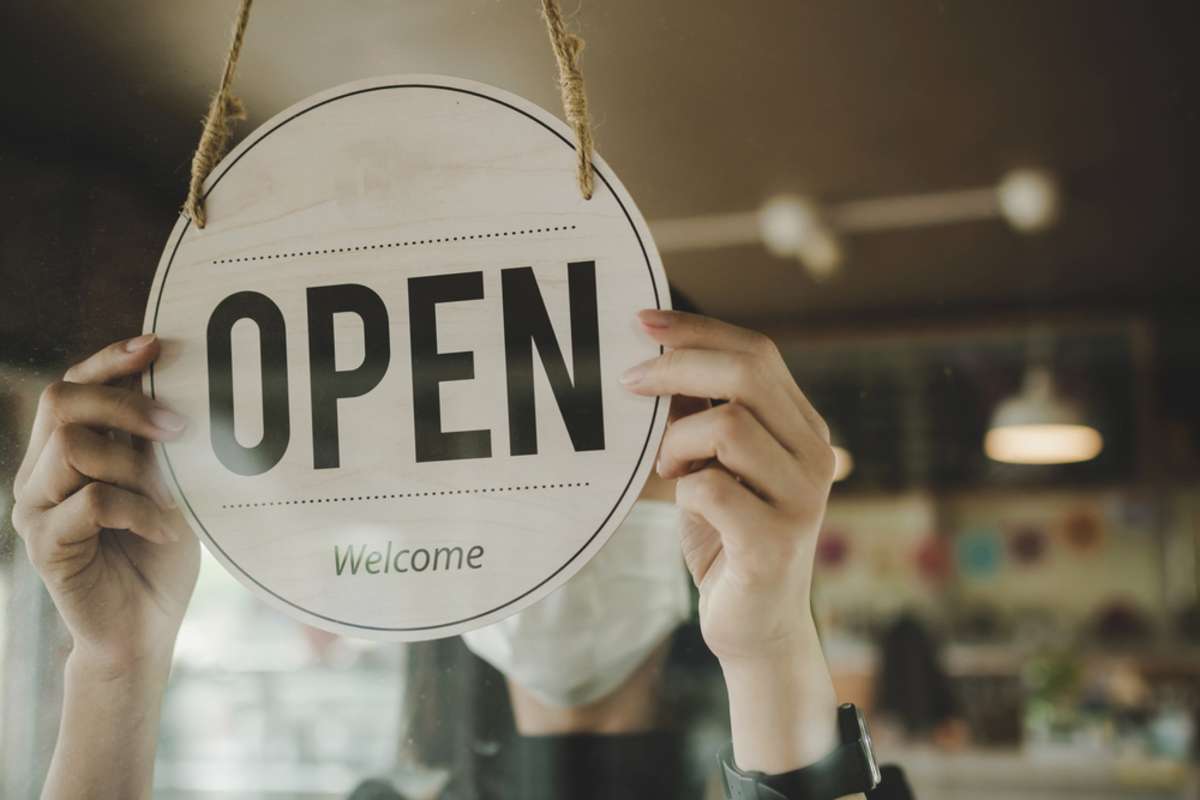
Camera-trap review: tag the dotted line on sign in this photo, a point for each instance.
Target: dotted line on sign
(386, 245)
(405, 495)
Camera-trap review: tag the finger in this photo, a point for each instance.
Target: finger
(681, 329)
(681, 407)
(76, 455)
(95, 507)
(118, 360)
(729, 376)
(743, 520)
(108, 407)
(677, 329)
(731, 434)
(99, 406)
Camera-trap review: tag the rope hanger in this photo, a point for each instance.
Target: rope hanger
(225, 108)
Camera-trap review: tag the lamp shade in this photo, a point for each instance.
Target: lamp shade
(1038, 426)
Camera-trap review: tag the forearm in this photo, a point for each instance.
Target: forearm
(109, 729)
(782, 708)
(782, 712)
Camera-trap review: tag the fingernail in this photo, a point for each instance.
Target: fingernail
(655, 318)
(167, 420)
(166, 499)
(139, 342)
(633, 374)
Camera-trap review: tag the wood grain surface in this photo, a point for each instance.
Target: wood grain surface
(389, 184)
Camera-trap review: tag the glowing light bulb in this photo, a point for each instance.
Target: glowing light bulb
(791, 227)
(785, 221)
(843, 463)
(1028, 199)
(821, 253)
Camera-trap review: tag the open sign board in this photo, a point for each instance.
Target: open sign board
(398, 343)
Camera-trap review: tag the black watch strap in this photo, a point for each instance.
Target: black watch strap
(849, 769)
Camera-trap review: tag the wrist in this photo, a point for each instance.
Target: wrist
(149, 669)
(782, 706)
(790, 657)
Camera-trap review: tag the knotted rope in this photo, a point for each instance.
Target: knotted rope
(225, 108)
(218, 123)
(567, 47)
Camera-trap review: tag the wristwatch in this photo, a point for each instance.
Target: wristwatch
(849, 769)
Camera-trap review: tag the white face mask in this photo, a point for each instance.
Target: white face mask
(584, 640)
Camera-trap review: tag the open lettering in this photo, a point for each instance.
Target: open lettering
(577, 392)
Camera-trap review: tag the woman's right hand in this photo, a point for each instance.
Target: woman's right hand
(99, 524)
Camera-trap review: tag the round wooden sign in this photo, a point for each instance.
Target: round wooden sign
(398, 343)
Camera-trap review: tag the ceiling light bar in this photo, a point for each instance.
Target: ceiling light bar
(799, 227)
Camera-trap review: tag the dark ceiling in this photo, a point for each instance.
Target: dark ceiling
(702, 107)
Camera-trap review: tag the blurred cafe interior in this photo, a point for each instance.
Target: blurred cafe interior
(970, 227)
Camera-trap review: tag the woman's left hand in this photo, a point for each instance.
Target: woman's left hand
(753, 475)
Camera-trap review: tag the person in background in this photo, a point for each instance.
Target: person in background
(751, 479)
(913, 694)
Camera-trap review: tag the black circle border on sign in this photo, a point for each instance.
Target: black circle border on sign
(653, 416)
